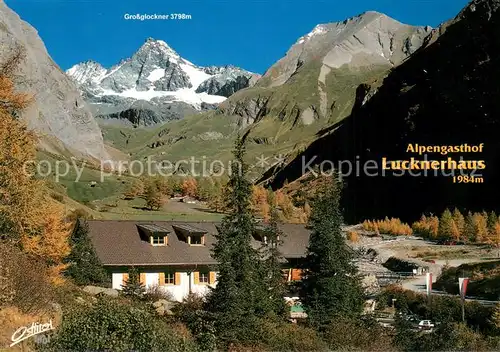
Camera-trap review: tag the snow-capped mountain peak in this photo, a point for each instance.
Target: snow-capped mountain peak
(157, 73)
(87, 71)
(157, 49)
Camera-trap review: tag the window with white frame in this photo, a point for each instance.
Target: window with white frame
(204, 277)
(196, 240)
(158, 240)
(169, 278)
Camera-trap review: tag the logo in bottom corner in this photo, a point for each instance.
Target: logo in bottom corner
(25, 332)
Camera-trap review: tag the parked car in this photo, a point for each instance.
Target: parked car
(425, 325)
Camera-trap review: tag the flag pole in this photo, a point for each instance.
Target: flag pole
(462, 287)
(428, 279)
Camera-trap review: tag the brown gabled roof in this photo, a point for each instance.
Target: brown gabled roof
(118, 242)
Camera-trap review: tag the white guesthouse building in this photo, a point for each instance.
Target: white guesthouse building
(176, 256)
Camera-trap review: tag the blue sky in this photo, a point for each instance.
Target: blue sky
(252, 34)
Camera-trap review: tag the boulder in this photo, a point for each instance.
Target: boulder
(94, 290)
(110, 292)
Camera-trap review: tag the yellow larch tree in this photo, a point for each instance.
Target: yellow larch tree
(190, 187)
(480, 222)
(259, 202)
(495, 236)
(285, 204)
(20, 211)
(28, 216)
(51, 241)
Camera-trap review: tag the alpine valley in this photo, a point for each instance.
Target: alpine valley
(366, 86)
(296, 100)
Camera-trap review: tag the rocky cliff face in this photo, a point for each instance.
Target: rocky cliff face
(445, 94)
(58, 113)
(368, 39)
(314, 84)
(159, 75)
(226, 81)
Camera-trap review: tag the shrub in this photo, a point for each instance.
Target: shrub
(485, 279)
(357, 334)
(113, 325)
(23, 281)
(155, 293)
(284, 336)
(451, 337)
(353, 236)
(200, 322)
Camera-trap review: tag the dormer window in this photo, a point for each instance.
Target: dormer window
(260, 234)
(154, 234)
(196, 240)
(191, 235)
(157, 240)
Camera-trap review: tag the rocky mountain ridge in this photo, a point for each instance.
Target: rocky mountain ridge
(371, 38)
(314, 84)
(158, 75)
(58, 113)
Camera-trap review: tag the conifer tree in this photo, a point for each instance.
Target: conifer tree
(446, 226)
(492, 220)
(133, 287)
(495, 237)
(272, 261)
(205, 189)
(154, 200)
(190, 187)
(285, 204)
(20, 193)
(163, 186)
(455, 232)
(236, 300)
(28, 216)
(84, 267)
(480, 221)
(469, 229)
(330, 286)
(459, 220)
(134, 190)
